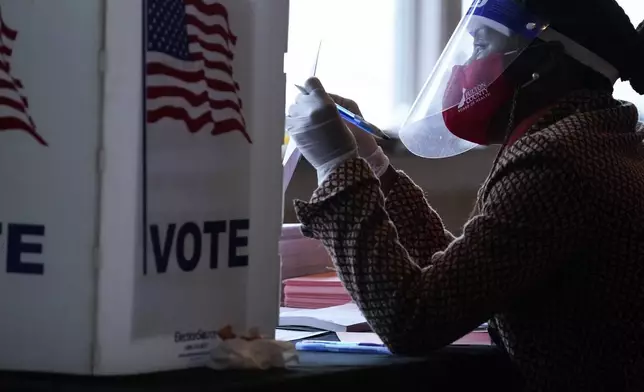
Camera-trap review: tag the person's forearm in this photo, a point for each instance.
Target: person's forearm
(420, 228)
(420, 300)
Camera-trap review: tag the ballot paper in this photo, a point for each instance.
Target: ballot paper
(343, 318)
(291, 158)
(474, 338)
(286, 335)
(359, 337)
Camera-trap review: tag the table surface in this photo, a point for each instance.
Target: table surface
(478, 368)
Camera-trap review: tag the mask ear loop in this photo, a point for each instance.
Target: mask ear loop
(511, 123)
(535, 77)
(510, 126)
(550, 65)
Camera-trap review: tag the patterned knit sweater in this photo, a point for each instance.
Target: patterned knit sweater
(554, 256)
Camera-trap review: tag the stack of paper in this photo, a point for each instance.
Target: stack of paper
(286, 335)
(345, 318)
(350, 325)
(300, 255)
(315, 291)
(474, 338)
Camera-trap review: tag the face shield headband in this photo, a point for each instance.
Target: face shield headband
(469, 85)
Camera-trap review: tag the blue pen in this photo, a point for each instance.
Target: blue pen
(341, 347)
(354, 119)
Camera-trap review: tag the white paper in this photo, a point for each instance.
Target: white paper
(286, 335)
(476, 338)
(335, 318)
(291, 158)
(359, 337)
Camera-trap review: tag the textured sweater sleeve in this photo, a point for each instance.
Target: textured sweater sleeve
(420, 229)
(525, 231)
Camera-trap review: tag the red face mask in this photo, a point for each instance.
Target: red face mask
(474, 93)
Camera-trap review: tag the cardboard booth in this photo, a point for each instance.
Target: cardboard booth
(141, 175)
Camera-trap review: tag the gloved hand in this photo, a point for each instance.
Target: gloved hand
(367, 146)
(320, 134)
(366, 143)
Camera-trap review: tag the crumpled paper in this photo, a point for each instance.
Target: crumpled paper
(251, 352)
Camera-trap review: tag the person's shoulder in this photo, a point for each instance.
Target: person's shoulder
(583, 134)
(552, 143)
(639, 128)
(552, 154)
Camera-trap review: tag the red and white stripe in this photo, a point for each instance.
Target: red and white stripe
(200, 93)
(14, 106)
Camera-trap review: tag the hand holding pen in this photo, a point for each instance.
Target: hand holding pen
(317, 130)
(367, 143)
(355, 119)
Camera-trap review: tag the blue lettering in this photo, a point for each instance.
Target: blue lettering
(188, 260)
(162, 257)
(214, 229)
(189, 264)
(16, 247)
(235, 241)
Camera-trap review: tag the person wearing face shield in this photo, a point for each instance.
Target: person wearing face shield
(553, 254)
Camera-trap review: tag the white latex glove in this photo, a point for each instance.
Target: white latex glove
(320, 134)
(367, 146)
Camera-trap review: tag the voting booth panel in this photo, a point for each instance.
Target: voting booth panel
(141, 167)
(50, 112)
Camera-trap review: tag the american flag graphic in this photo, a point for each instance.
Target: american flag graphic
(14, 107)
(189, 67)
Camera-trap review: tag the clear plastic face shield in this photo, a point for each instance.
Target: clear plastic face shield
(453, 111)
